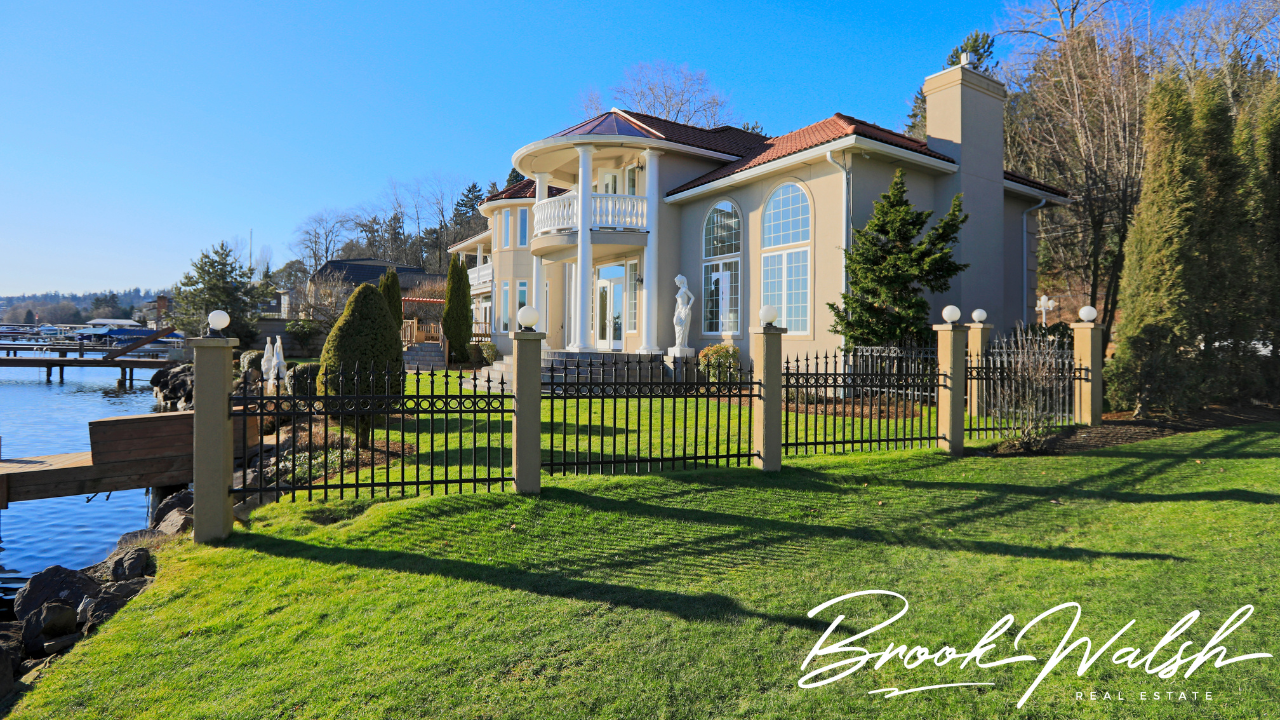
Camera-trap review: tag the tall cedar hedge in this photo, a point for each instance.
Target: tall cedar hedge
(456, 322)
(364, 338)
(1193, 298)
(389, 286)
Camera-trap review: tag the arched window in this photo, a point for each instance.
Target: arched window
(722, 234)
(786, 217)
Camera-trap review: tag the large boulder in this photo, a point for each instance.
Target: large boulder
(123, 564)
(114, 596)
(53, 583)
(11, 643)
(174, 384)
(183, 499)
(54, 619)
(177, 522)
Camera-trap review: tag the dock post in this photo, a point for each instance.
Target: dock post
(80, 345)
(48, 373)
(120, 382)
(212, 446)
(61, 377)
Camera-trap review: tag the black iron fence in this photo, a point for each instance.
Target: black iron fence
(366, 430)
(874, 398)
(625, 414)
(1024, 390)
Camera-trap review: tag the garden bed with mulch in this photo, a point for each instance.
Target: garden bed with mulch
(1122, 429)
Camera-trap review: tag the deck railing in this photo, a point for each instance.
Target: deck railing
(614, 212)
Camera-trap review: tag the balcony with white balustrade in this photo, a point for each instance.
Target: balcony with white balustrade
(481, 278)
(618, 223)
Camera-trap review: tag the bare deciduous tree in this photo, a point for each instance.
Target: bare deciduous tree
(669, 91)
(319, 238)
(1225, 37)
(1078, 86)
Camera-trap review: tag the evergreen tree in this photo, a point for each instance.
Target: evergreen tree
(514, 177)
(981, 48)
(456, 322)
(1153, 363)
(363, 345)
(29, 318)
(218, 281)
(468, 205)
(889, 267)
(389, 286)
(1259, 150)
(493, 189)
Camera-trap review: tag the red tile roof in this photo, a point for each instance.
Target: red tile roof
(833, 128)
(526, 188)
(1021, 179)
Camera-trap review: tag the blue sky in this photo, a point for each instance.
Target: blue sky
(134, 135)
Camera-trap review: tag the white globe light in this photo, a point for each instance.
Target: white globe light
(527, 317)
(768, 314)
(219, 319)
(1088, 313)
(951, 313)
(979, 315)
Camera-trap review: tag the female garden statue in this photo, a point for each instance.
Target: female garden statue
(683, 319)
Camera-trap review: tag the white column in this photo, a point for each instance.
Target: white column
(582, 333)
(649, 329)
(539, 273)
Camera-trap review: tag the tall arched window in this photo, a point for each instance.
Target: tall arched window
(722, 234)
(786, 217)
(784, 275)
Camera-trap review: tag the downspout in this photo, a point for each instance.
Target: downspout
(844, 211)
(1043, 202)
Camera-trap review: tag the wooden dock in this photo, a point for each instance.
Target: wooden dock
(127, 453)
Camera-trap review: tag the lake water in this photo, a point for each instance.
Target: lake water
(45, 419)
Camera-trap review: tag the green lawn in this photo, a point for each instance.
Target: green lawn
(685, 595)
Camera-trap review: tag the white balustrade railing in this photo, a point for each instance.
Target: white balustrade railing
(623, 212)
(557, 213)
(480, 275)
(617, 211)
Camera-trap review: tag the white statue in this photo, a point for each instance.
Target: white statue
(683, 319)
(281, 369)
(268, 367)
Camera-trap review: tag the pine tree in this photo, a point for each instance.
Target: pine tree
(456, 322)
(889, 267)
(29, 318)
(218, 281)
(468, 205)
(981, 48)
(1259, 149)
(514, 177)
(389, 286)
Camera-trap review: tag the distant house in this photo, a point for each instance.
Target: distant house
(370, 270)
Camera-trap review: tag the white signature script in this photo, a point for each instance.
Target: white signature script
(914, 656)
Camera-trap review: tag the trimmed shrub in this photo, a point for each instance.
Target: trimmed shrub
(364, 338)
(490, 352)
(250, 360)
(301, 379)
(389, 286)
(476, 354)
(718, 361)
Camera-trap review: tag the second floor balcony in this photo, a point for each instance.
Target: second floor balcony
(480, 276)
(608, 212)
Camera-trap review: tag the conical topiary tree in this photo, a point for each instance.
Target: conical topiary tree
(456, 323)
(389, 286)
(363, 345)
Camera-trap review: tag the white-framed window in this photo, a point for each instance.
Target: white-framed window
(784, 284)
(506, 230)
(722, 232)
(524, 227)
(633, 293)
(786, 217)
(522, 294)
(506, 306)
(633, 180)
(720, 293)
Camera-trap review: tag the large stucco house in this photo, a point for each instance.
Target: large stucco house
(615, 208)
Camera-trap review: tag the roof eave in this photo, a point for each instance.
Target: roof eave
(570, 140)
(464, 244)
(1018, 188)
(815, 154)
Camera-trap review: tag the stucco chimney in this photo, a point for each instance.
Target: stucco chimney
(964, 119)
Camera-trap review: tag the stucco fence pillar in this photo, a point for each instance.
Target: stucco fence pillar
(526, 452)
(212, 447)
(951, 382)
(1088, 351)
(767, 421)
